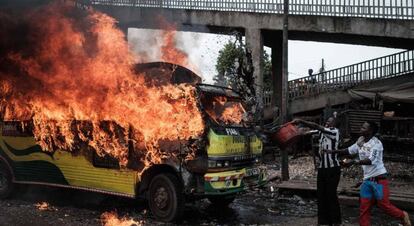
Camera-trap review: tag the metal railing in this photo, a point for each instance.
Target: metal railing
(345, 77)
(386, 9)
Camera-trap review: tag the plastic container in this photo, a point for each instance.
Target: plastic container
(286, 135)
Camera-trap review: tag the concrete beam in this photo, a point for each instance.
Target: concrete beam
(318, 102)
(391, 33)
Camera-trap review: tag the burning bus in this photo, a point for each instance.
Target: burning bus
(218, 162)
(77, 111)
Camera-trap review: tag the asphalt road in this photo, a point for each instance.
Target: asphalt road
(260, 207)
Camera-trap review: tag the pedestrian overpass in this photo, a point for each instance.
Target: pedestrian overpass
(334, 86)
(387, 23)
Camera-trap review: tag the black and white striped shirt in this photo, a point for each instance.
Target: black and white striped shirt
(329, 140)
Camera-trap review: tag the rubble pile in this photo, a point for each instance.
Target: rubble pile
(401, 171)
(302, 168)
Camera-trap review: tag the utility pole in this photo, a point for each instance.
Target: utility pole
(283, 110)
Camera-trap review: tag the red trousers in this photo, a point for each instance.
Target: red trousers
(376, 192)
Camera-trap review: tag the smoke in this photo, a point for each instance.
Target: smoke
(148, 44)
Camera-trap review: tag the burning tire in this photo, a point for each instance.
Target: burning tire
(166, 200)
(221, 200)
(6, 183)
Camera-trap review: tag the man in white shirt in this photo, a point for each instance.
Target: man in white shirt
(374, 188)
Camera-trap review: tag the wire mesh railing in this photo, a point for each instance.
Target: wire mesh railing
(345, 77)
(386, 9)
(349, 76)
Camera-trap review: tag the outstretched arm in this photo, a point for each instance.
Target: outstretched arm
(313, 125)
(352, 151)
(340, 152)
(357, 162)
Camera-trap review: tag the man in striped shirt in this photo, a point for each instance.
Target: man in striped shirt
(329, 172)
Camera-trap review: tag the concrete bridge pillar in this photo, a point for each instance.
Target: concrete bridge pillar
(124, 29)
(254, 41)
(277, 66)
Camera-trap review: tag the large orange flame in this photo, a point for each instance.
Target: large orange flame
(233, 114)
(112, 219)
(169, 51)
(72, 79)
(226, 112)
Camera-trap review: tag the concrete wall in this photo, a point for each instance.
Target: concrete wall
(318, 102)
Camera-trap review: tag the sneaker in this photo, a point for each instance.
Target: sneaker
(406, 220)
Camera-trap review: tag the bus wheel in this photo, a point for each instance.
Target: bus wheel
(221, 200)
(6, 183)
(166, 199)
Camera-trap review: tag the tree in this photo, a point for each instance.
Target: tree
(267, 72)
(235, 69)
(227, 64)
(230, 59)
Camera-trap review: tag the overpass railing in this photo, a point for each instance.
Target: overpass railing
(346, 77)
(387, 9)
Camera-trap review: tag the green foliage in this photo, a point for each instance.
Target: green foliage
(229, 60)
(226, 65)
(228, 57)
(267, 71)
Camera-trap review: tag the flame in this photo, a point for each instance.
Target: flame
(232, 114)
(169, 51)
(71, 77)
(112, 219)
(44, 206)
(224, 111)
(172, 55)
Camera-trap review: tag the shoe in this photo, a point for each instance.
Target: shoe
(406, 219)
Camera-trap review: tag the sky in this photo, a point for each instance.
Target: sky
(203, 48)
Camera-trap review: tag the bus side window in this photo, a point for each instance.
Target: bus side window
(17, 129)
(105, 161)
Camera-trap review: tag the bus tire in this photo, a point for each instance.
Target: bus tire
(221, 200)
(6, 182)
(166, 198)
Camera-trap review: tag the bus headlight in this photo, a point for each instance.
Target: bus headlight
(226, 163)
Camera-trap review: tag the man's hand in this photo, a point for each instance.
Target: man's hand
(347, 162)
(361, 141)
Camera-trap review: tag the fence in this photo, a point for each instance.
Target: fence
(345, 77)
(386, 9)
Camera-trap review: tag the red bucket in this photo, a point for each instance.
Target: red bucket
(286, 135)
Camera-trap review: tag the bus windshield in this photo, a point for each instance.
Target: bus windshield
(224, 110)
